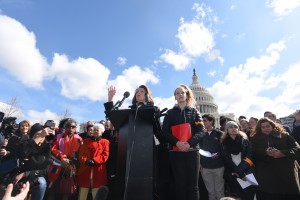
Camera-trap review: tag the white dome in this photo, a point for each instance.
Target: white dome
(205, 101)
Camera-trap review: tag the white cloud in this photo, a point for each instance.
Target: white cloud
(19, 54)
(214, 54)
(224, 35)
(179, 61)
(81, 78)
(283, 7)
(121, 60)
(165, 102)
(291, 83)
(195, 38)
(211, 73)
(41, 117)
(242, 90)
(232, 7)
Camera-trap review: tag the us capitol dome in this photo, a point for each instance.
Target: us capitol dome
(205, 101)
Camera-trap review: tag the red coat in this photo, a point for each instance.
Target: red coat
(99, 152)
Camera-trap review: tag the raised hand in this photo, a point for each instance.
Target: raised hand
(111, 91)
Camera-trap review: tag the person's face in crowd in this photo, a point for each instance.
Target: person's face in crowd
(233, 130)
(140, 95)
(24, 127)
(90, 131)
(207, 123)
(107, 126)
(180, 95)
(97, 132)
(266, 128)
(71, 128)
(244, 125)
(252, 123)
(270, 116)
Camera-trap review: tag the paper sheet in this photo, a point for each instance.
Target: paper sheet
(206, 153)
(250, 181)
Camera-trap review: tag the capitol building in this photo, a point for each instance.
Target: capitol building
(205, 101)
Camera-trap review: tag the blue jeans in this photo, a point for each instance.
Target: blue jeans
(38, 191)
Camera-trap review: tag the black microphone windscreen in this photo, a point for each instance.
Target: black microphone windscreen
(163, 110)
(126, 94)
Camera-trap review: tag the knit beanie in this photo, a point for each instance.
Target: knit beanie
(35, 128)
(230, 123)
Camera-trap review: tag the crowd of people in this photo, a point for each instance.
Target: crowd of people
(198, 162)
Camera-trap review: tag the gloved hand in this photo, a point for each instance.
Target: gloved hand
(90, 163)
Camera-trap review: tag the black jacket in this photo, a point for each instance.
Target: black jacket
(176, 116)
(31, 156)
(211, 143)
(230, 146)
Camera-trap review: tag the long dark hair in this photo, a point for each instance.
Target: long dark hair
(276, 127)
(148, 92)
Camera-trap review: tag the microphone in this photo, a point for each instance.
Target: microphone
(119, 103)
(163, 110)
(160, 113)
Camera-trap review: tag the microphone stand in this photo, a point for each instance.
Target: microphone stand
(116, 106)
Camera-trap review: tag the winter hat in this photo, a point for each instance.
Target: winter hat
(35, 128)
(230, 123)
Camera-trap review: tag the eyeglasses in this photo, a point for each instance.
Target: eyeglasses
(233, 126)
(71, 126)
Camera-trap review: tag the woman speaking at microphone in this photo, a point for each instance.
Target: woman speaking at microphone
(143, 97)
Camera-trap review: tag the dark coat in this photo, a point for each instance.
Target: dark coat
(31, 156)
(296, 133)
(189, 115)
(239, 145)
(276, 175)
(211, 143)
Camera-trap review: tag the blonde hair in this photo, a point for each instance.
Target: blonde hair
(190, 99)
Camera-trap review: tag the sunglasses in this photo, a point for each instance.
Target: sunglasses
(71, 126)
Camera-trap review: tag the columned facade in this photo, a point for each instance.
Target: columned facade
(205, 101)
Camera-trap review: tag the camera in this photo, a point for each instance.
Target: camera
(8, 126)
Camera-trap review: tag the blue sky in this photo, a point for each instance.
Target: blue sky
(58, 55)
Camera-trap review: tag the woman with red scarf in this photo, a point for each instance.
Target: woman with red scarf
(65, 147)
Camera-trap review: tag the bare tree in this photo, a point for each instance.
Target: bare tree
(12, 108)
(67, 113)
